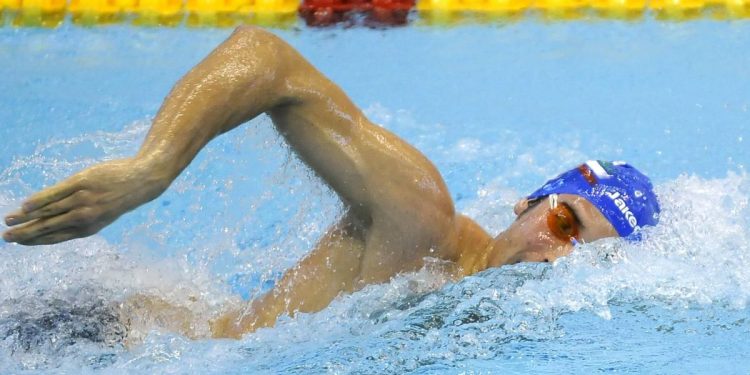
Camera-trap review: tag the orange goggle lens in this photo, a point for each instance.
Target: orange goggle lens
(562, 223)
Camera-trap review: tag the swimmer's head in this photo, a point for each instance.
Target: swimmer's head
(621, 193)
(592, 201)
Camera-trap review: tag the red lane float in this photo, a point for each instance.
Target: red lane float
(373, 12)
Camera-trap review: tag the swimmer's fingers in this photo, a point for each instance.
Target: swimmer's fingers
(52, 238)
(43, 198)
(64, 205)
(52, 194)
(72, 224)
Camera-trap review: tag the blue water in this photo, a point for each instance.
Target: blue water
(498, 108)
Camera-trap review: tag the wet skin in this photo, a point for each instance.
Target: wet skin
(398, 208)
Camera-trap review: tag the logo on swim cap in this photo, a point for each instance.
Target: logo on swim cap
(623, 195)
(620, 203)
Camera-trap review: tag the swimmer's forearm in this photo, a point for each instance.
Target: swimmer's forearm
(239, 80)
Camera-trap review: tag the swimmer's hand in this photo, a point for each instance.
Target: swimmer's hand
(85, 203)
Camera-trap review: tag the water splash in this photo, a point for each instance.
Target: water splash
(673, 278)
(55, 302)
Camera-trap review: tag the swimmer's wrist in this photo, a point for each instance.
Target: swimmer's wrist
(157, 170)
(154, 177)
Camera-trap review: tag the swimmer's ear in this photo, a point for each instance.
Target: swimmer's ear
(521, 206)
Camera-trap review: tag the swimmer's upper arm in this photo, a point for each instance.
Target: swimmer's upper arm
(376, 173)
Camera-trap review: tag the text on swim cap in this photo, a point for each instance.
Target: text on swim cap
(623, 207)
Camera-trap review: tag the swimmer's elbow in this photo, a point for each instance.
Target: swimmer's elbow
(252, 42)
(252, 34)
(263, 56)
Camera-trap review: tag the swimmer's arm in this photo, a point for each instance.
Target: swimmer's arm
(240, 79)
(330, 269)
(384, 181)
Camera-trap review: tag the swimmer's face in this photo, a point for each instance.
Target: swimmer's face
(543, 230)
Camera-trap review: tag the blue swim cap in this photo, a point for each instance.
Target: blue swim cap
(622, 194)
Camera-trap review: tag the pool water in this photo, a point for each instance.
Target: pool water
(498, 108)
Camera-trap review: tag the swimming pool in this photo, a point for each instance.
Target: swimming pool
(498, 108)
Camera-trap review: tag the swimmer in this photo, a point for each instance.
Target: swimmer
(398, 208)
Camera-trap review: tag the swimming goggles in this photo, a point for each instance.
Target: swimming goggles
(562, 222)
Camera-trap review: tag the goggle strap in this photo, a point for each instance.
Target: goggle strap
(552, 201)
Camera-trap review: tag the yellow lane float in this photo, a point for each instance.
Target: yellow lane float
(46, 13)
(51, 13)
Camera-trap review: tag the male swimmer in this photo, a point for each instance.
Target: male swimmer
(398, 209)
